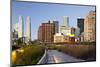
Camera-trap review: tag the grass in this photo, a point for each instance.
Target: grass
(88, 43)
(85, 52)
(31, 55)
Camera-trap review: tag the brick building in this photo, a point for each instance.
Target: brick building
(46, 32)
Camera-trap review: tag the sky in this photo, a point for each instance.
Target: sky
(42, 12)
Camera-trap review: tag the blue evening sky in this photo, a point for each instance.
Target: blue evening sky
(41, 12)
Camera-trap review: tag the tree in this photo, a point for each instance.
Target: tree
(19, 41)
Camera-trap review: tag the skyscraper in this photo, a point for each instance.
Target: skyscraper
(80, 24)
(56, 25)
(89, 26)
(28, 29)
(65, 25)
(20, 27)
(66, 21)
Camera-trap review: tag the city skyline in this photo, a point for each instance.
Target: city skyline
(42, 12)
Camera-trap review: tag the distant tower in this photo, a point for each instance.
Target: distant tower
(20, 27)
(28, 29)
(66, 21)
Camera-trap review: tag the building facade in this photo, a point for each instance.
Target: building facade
(46, 32)
(80, 24)
(60, 38)
(89, 26)
(14, 37)
(56, 26)
(73, 30)
(65, 29)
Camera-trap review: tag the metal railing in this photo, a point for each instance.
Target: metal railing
(43, 60)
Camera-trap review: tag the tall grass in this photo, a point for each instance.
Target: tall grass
(85, 52)
(31, 55)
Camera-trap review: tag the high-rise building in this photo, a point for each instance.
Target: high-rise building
(66, 21)
(65, 29)
(89, 26)
(56, 24)
(46, 32)
(80, 24)
(15, 31)
(28, 29)
(20, 27)
(14, 37)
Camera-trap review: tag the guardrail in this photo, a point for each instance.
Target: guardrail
(43, 60)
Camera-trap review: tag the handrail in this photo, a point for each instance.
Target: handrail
(43, 60)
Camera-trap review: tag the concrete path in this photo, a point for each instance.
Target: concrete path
(55, 56)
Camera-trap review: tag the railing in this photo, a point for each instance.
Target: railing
(43, 60)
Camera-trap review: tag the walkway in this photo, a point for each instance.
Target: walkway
(55, 56)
